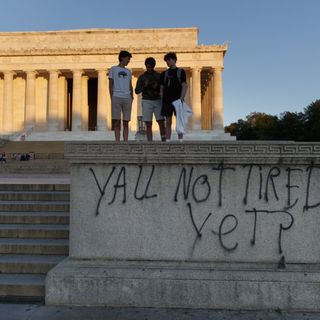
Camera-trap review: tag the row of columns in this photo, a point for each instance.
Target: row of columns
(80, 117)
(217, 99)
(53, 100)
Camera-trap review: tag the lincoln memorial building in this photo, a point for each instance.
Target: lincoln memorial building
(57, 81)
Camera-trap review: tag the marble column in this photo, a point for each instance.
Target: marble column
(30, 108)
(84, 105)
(76, 100)
(217, 114)
(196, 98)
(62, 102)
(7, 101)
(188, 98)
(135, 106)
(210, 100)
(53, 101)
(108, 107)
(1, 103)
(206, 104)
(102, 100)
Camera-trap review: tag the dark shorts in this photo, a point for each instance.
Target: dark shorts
(167, 109)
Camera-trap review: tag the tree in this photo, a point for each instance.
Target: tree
(302, 126)
(257, 126)
(311, 122)
(290, 126)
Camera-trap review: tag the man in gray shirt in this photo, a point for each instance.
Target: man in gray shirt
(121, 93)
(149, 85)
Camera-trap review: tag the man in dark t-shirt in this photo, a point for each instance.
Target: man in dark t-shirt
(149, 85)
(173, 87)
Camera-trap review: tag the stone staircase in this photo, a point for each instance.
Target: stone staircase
(34, 232)
(48, 155)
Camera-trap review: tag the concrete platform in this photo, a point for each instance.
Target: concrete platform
(35, 179)
(40, 312)
(204, 135)
(159, 284)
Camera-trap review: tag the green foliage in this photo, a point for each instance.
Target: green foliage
(303, 126)
(290, 127)
(257, 126)
(311, 121)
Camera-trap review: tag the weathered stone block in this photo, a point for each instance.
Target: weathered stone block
(237, 224)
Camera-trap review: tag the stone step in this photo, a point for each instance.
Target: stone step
(34, 217)
(33, 187)
(40, 231)
(26, 287)
(31, 264)
(34, 195)
(34, 246)
(39, 206)
(190, 135)
(59, 136)
(47, 166)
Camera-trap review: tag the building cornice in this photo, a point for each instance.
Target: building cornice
(111, 51)
(99, 31)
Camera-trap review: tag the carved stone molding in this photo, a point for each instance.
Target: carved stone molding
(36, 51)
(194, 152)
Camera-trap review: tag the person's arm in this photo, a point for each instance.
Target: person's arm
(161, 84)
(139, 87)
(111, 87)
(183, 91)
(184, 85)
(111, 83)
(161, 91)
(131, 90)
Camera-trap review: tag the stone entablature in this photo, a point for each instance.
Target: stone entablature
(99, 38)
(107, 50)
(44, 76)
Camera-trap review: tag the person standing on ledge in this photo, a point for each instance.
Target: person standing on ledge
(149, 84)
(121, 93)
(173, 87)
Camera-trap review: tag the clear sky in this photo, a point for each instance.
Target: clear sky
(273, 61)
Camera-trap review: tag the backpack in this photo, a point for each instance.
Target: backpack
(166, 74)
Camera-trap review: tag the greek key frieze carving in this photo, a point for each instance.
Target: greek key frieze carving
(200, 151)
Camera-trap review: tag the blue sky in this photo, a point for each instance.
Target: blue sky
(273, 62)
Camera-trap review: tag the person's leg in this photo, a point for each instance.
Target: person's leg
(167, 111)
(147, 114)
(162, 130)
(168, 127)
(125, 130)
(116, 129)
(157, 108)
(116, 117)
(149, 130)
(126, 117)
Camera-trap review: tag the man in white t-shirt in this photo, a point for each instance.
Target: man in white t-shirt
(121, 93)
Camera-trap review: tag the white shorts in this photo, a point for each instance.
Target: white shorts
(121, 105)
(150, 107)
